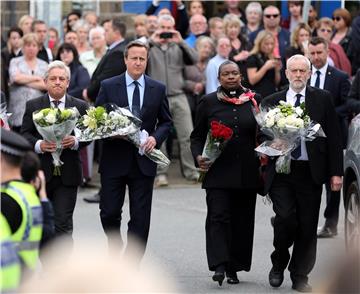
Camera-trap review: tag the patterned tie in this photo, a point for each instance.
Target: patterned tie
(317, 81)
(296, 153)
(136, 100)
(56, 103)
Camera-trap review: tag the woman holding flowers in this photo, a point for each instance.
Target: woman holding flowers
(231, 179)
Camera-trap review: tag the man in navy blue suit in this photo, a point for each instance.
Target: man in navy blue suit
(337, 82)
(121, 164)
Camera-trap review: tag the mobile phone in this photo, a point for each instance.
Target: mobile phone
(166, 35)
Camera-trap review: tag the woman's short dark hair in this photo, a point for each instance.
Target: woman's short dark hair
(68, 47)
(15, 29)
(227, 62)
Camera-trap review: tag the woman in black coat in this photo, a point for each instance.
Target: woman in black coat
(80, 78)
(231, 181)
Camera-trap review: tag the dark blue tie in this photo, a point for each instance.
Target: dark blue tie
(296, 153)
(56, 103)
(136, 100)
(317, 81)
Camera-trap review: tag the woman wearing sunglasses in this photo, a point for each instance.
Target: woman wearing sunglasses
(342, 24)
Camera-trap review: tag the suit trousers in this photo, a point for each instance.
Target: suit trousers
(181, 115)
(331, 212)
(296, 202)
(63, 200)
(112, 200)
(230, 228)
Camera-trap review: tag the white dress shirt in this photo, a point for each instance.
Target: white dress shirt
(291, 98)
(60, 106)
(322, 75)
(130, 87)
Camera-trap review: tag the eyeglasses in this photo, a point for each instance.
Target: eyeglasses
(325, 30)
(337, 18)
(271, 15)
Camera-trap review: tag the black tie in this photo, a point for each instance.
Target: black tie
(317, 82)
(297, 102)
(296, 153)
(56, 103)
(136, 100)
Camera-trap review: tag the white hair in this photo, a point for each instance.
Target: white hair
(253, 6)
(298, 57)
(97, 29)
(166, 17)
(80, 24)
(58, 64)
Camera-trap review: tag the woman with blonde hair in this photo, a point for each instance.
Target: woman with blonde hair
(25, 23)
(299, 40)
(240, 47)
(263, 69)
(26, 79)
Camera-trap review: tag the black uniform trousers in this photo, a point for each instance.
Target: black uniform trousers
(63, 200)
(230, 228)
(296, 202)
(113, 190)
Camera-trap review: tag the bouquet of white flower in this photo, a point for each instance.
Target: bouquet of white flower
(98, 123)
(287, 126)
(53, 124)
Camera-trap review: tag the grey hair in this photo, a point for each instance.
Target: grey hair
(167, 18)
(254, 6)
(97, 29)
(81, 24)
(298, 57)
(58, 64)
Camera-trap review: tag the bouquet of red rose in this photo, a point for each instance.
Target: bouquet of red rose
(217, 137)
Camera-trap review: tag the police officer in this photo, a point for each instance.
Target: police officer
(19, 203)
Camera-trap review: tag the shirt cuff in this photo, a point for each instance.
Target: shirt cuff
(37, 148)
(76, 145)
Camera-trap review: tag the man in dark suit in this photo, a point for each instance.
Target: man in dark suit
(121, 164)
(61, 190)
(337, 83)
(296, 196)
(110, 65)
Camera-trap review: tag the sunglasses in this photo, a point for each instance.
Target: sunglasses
(325, 30)
(337, 18)
(271, 15)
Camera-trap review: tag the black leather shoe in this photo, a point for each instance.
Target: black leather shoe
(276, 277)
(327, 232)
(219, 277)
(232, 278)
(93, 199)
(302, 287)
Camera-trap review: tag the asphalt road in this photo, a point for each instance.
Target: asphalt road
(177, 242)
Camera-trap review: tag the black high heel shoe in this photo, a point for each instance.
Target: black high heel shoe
(219, 275)
(232, 278)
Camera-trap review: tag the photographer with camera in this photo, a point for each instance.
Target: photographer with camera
(168, 56)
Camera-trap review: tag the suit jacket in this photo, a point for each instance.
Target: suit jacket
(111, 64)
(325, 154)
(338, 84)
(238, 166)
(354, 95)
(117, 154)
(71, 171)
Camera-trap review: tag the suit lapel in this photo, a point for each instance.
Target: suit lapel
(309, 103)
(122, 98)
(327, 83)
(45, 101)
(147, 96)
(68, 101)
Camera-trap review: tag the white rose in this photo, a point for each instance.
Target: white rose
(299, 123)
(50, 118)
(269, 122)
(281, 123)
(38, 116)
(299, 111)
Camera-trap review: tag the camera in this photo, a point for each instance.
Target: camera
(166, 35)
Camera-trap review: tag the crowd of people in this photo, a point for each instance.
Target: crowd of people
(177, 74)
